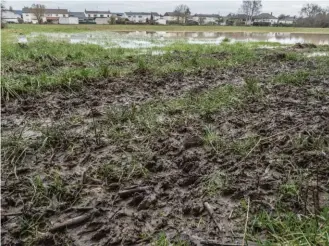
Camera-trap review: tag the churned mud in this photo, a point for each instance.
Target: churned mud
(128, 158)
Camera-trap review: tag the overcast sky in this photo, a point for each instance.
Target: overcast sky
(288, 7)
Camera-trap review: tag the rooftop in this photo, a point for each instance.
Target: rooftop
(265, 16)
(47, 11)
(142, 13)
(207, 15)
(97, 12)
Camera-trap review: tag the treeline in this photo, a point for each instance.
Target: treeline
(313, 15)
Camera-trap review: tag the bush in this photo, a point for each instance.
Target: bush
(261, 24)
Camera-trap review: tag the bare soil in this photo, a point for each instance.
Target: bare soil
(133, 187)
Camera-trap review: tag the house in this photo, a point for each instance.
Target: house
(265, 18)
(100, 14)
(141, 17)
(287, 20)
(80, 15)
(236, 19)
(102, 21)
(171, 16)
(10, 16)
(206, 18)
(49, 15)
(161, 21)
(68, 20)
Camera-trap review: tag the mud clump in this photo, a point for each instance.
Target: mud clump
(304, 46)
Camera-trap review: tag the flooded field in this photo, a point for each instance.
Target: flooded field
(183, 144)
(146, 39)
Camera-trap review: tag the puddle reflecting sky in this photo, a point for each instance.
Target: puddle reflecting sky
(146, 39)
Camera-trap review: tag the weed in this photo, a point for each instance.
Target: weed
(162, 240)
(226, 39)
(297, 78)
(214, 183)
(252, 86)
(243, 146)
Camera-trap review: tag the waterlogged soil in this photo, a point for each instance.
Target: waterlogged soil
(92, 154)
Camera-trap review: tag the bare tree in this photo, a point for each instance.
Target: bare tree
(251, 8)
(311, 10)
(183, 11)
(10, 8)
(201, 20)
(39, 11)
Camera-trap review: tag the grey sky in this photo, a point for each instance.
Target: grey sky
(289, 7)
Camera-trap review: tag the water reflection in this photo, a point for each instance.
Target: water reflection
(146, 39)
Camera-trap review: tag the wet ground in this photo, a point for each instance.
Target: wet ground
(159, 39)
(132, 157)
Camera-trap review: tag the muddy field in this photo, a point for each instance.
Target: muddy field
(136, 160)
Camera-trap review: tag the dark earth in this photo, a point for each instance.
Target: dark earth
(84, 152)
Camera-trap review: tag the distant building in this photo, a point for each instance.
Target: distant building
(68, 20)
(102, 21)
(206, 18)
(10, 16)
(234, 19)
(141, 17)
(287, 20)
(50, 15)
(265, 18)
(80, 15)
(171, 16)
(100, 14)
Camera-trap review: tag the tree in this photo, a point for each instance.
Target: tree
(201, 20)
(39, 11)
(311, 10)
(3, 8)
(251, 8)
(10, 8)
(112, 19)
(182, 11)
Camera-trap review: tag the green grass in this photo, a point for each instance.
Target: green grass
(27, 28)
(288, 228)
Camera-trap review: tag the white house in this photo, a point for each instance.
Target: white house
(141, 17)
(10, 16)
(102, 21)
(206, 18)
(68, 20)
(50, 15)
(287, 20)
(266, 18)
(100, 14)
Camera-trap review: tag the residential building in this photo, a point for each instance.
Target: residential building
(50, 15)
(141, 17)
(206, 18)
(287, 20)
(68, 20)
(265, 18)
(80, 15)
(100, 14)
(171, 16)
(236, 19)
(102, 21)
(10, 16)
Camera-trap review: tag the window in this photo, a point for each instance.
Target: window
(95, 15)
(140, 16)
(89, 15)
(129, 16)
(134, 16)
(56, 14)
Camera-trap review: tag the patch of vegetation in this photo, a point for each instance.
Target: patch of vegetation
(296, 78)
(288, 228)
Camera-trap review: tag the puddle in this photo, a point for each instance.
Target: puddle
(144, 39)
(315, 54)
